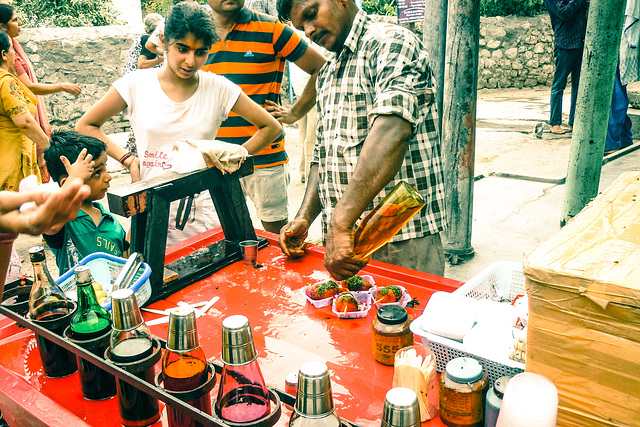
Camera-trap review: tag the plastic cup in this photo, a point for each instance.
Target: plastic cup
(530, 400)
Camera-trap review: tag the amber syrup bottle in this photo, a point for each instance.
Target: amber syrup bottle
(49, 305)
(386, 219)
(184, 365)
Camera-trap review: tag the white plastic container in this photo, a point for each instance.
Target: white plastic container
(449, 315)
(530, 400)
(364, 305)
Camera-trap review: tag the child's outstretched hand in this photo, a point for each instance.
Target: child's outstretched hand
(82, 168)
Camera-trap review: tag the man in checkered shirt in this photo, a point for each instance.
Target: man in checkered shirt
(376, 127)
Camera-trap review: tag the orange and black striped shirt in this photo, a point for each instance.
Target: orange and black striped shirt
(253, 57)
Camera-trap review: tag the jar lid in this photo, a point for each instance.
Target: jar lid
(392, 314)
(464, 370)
(500, 385)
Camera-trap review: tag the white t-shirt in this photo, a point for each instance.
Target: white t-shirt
(158, 122)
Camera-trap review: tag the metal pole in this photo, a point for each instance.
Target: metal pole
(459, 123)
(434, 37)
(598, 70)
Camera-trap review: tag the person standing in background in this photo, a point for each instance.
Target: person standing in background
(251, 52)
(307, 124)
(265, 6)
(569, 23)
(619, 133)
(132, 62)
(23, 69)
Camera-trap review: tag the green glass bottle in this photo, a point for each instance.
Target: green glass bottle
(46, 300)
(90, 320)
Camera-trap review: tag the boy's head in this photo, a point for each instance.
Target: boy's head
(69, 144)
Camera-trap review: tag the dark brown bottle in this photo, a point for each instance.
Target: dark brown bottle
(50, 308)
(46, 300)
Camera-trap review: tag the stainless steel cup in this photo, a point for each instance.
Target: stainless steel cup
(249, 250)
(182, 330)
(401, 408)
(314, 390)
(237, 341)
(125, 310)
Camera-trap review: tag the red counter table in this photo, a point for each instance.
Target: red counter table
(287, 331)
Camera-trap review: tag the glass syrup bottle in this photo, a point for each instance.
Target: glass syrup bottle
(184, 365)
(90, 319)
(131, 341)
(386, 219)
(46, 300)
(90, 325)
(242, 395)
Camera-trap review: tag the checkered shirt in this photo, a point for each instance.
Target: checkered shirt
(382, 69)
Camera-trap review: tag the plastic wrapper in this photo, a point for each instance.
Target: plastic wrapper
(191, 155)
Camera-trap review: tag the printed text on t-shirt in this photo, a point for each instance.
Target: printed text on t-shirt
(156, 159)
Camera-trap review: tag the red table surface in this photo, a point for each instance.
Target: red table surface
(287, 331)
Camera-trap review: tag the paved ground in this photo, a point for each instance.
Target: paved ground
(510, 216)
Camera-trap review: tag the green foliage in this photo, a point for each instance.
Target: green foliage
(155, 6)
(159, 6)
(66, 13)
(380, 7)
(511, 7)
(487, 7)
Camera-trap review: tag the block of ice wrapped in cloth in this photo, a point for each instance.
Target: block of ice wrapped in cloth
(192, 155)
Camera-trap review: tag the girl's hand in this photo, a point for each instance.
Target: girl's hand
(83, 166)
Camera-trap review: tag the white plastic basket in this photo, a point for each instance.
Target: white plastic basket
(105, 268)
(501, 281)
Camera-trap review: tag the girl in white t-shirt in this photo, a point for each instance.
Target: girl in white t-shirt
(174, 103)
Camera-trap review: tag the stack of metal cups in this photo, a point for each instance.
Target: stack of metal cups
(182, 330)
(242, 380)
(126, 312)
(314, 401)
(237, 341)
(401, 408)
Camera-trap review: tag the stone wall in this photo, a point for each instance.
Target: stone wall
(91, 57)
(514, 52)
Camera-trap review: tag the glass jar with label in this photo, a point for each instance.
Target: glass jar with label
(463, 386)
(390, 333)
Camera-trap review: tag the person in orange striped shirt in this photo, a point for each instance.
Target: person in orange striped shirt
(251, 53)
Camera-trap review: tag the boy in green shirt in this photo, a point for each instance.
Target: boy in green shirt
(95, 229)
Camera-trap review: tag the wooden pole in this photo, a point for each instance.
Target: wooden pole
(598, 70)
(459, 123)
